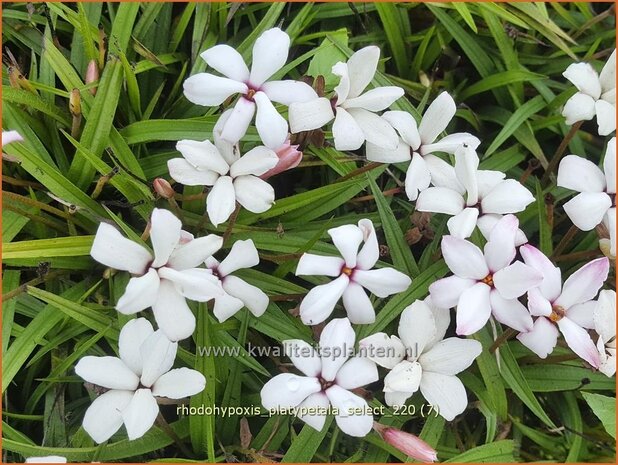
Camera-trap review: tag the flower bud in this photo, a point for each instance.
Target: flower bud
(411, 445)
(289, 157)
(163, 188)
(75, 103)
(92, 75)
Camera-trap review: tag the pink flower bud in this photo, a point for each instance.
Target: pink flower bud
(163, 188)
(411, 445)
(92, 74)
(289, 157)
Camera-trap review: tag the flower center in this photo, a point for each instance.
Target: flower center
(612, 197)
(333, 103)
(347, 271)
(557, 313)
(325, 384)
(489, 280)
(250, 94)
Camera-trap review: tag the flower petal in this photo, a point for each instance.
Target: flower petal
(254, 194)
(132, 336)
(226, 306)
(607, 77)
(384, 350)
(604, 315)
(487, 222)
(509, 196)
(314, 405)
(227, 61)
(179, 383)
(418, 177)
(383, 281)
(405, 377)
(357, 305)
(579, 341)
(270, 52)
(185, 173)
(357, 372)
(306, 116)
(256, 161)
(195, 283)
(140, 293)
(288, 92)
(336, 345)
(581, 175)
(229, 150)
(107, 372)
(609, 166)
(437, 117)
(451, 356)
(580, 107)
(443, 174)
(141, 413)
(586, 210)
(158, 355)
(164, 235)
(417, 328)
(203, 155)
(606, 117)
(287, 390)
(116, 251)
(347, 132)
(362, 66)
(541, 339)
(440, 200)
(450, 143)
(172, 313)
(500, 248)
(445, 392)
(538, 305)
(271, 126)
(376, 99)
(194, 252)
(243, 254)
(473, 309)
(375, 129)
(466, 168)
(405, 124)
(304, 356)
(8, 137)
(584, 284)
(253, 297)
(381, 155)
(552, 277)
(238, 121)
(320, 301)
(514, 280)
(445, 292)
(104, 416)
(396, 398)
(209, 90)
(464, 258)
(311, 264)
(462, 225)
(370, 252)
(583, 314)
(585, 78)
(350, 419)
(221, 200)
(510, 312)
(347, 239)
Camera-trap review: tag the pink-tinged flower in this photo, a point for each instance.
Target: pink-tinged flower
(409, 444)
(596, 201)
(257, 93)
(604, 317)
(478, 198)
(353, 273)
(566, 307)
(416, 144)
(353, 109)
(289, 157)
(486, 283)
(237, 293)
(422, 359)
(135, 380)
(162, 280)
(596, 95)
(329, 377)
(163, 188)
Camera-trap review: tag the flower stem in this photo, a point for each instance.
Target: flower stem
(505, 336)
(566, 239)
(555, 160)
(231, 223)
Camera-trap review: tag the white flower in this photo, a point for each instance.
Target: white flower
(233, 178)
(48, 459)
(141, 374)
(165, 280)
(567, 307)
(354, 111)
(596, 202)
(329, 379)
(270, 52)
(424, 359)
(604, 317)
(417, 143)
(486, 283)
(8, 137)
(479, 198)
(237, 293)
(596, 96)
(353, 275)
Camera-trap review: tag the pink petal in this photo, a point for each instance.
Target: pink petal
(584, 284)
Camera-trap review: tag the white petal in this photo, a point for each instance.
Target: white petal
(236, 125)
(538, 305)
(586, 210)
(164, 235)
(376, 153)
(158, 355)
(350, 419)
(254, 194)
(405, 124)
(436, 117)
(140, 293)
(451, 356)
(581, 175)
(104, 417)
(464, 258)
(510, 312)
(541, 339)
(107, 372)
(254, 298)
(8, 137)
(203, 155)
(507, 197)
(375, 129)
(445, 292)
(442, 317)
(226, 306)
(396, 398)
(311, 264)
(227, 61)
(141, 413)
(376, 99)
(405, 377)
(320, 301)
(270, 52)
(229, 150)
(306, 116)
(579, 341)
(287, 92)
(607, 77)
(196, 284)
(584, 284)
(336, 345)
(418, 177)
(580, 107)
(370, 252)
(446, 393)
(583, 314)
(185, 173)
(473, 309)
(357, 372)
(314, 405)
(462, 225)
(362, 67)
(443, 174)
(116, 251)
(552, 279)
(450, 143)
(585, 78)
(304, 356)
(209, 90)
(179, 383)
(172, 313)
(357, 305)
(514, 280)
(243, 254)
(287, 390)
(440, 200)
(604, 315)
(609, 165)
(487, 222)
(347, 133)
(271, 126)
(194, 252)
(256, 161)
(466, 168)
(383, 281)
(384, 350)
(132, 336)
(606, 117)
(221, 200)
(417, 328)
(609, 220)
(347, 238)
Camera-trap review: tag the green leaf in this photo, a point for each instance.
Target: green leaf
(304, 447)
(604, 408)
(496, 452)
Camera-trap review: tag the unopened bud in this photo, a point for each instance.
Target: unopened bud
(411, 445)
(424, 79)
(289, 157)
(92, 75)
(163, 188)
(75, 103)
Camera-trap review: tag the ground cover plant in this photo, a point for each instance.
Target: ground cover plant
(361, 232)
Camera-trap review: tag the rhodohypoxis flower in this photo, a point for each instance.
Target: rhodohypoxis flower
(237, 292)
(596, 96)
(8, 137)
(353, 275)
(604, 318)
(422, 359)
(233, 178)
(416, 144)
(596, 201)
(270, 52)
(289, 157)
(135, 379)
(329, 377)
(477, 195)
(409, 444)
(486, 283)
(568, 307)
(164, 280)
(354, 111)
